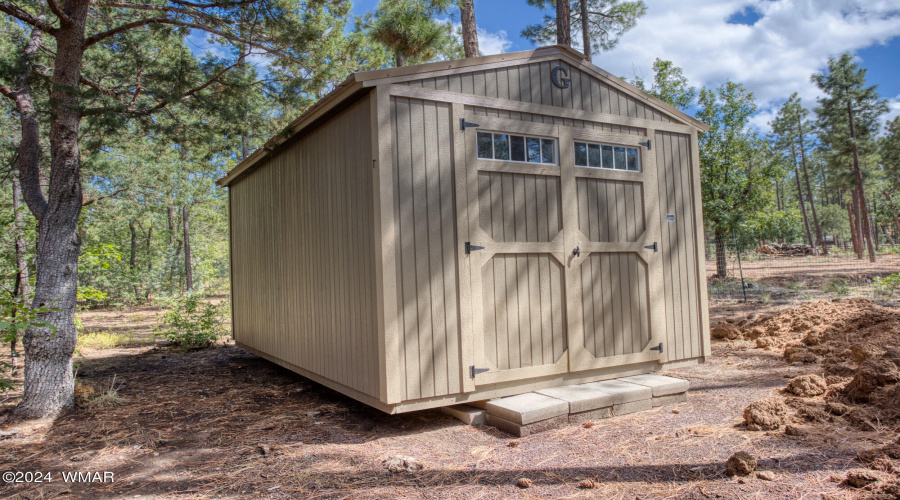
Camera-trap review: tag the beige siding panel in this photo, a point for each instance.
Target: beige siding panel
(304, 279)
(428, 294)
(610, 211)
(679, 246)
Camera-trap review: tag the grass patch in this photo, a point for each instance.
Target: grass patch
(108, 340)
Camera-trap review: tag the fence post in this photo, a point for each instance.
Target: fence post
(740, 267)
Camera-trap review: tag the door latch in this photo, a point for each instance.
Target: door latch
(470, 248)
(475, 371)
(658, 348)
(463, 124)
(577, 251)
(653, 247)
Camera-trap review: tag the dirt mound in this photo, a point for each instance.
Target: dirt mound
(765, 415)
(725, 330)
(741, 463)
(807, 386)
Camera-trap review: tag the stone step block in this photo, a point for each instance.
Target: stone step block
(469, 415)
(621, 392)
(527, 408)
(528, 429)
(632, 407)
(582, 397)
(591, 415)
(670, 399)
(659, 384)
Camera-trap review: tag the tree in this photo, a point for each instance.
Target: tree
(602, 22)
(735, 165)
(792, 129)
(409, 30)
(889, 148)
(669, 85)
(469, 30)
(849, 112)
(109, 64)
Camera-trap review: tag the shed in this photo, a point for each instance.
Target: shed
(463, 230)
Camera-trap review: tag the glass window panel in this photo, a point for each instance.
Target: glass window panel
(548, 151)
(485, 149)
(534, 149)
(581, 155)
(620, 158)
(632, 159)
(607, 157)
(501, 147)
(517, 147)
(594, 155)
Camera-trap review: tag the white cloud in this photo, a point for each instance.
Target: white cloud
(774, 57)
(489, 43)
(895, 109)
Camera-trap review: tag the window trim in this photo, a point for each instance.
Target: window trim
(587, 143)
(541, 138)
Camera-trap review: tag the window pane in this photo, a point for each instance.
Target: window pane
(517, 147)
(501, 147)
(580, 154)
(484, 145)
(607, 157)
(548, 151)
(594, 155)
(534, 149)
(632, 159)
(620, 158)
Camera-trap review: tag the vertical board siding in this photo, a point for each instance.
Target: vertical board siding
(527, 117)
(610, 211)
(303, 246)
(679, 245)
(615, 304)
(427, 289)
(531, 83)
(518, 207)
(524, 310)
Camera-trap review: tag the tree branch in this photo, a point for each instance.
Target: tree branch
(25, 17)
(64, 19)
(112, 195)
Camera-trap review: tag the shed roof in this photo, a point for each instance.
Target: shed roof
(360, 83)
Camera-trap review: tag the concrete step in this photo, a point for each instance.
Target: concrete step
(547, 409)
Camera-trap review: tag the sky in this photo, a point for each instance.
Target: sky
(770, 46)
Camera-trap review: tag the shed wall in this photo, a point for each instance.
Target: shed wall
(531, 83)
(303, 248)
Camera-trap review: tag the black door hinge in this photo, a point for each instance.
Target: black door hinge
(658, 348)
(648, 144)
(463, 124)
(654, 247)
(475, 371)
(470, 248)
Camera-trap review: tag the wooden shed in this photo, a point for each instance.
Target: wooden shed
(463, 230)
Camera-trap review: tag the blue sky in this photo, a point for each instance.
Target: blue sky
(771, 46)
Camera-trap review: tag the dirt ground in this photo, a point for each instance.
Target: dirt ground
(222, 423)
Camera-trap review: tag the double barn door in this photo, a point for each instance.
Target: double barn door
(560, 266)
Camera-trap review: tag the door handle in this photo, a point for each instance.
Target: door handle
(577, 251)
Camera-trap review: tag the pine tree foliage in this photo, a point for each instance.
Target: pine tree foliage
(607, 21)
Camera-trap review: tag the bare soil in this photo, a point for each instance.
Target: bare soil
(222, 423)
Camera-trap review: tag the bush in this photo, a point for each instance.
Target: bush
(887, 285)
(190, 322)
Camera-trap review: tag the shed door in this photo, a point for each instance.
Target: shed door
(516, 240)
(614, 273)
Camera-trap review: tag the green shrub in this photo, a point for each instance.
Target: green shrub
(191, 323)
(887, 285)
(16, 316)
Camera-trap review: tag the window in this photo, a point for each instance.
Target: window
(506, 147)
(606, 156)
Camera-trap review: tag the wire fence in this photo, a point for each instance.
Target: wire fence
(775, 272)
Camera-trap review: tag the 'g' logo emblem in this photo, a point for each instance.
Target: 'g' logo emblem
(563, 82)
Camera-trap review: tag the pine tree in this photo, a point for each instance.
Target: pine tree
(602, 22)
(469, 29)
(669, 85)
(849, 114)
(409, 30)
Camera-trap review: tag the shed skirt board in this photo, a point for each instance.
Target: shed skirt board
(486, 392)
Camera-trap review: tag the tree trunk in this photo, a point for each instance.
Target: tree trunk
(469, 30)
(170, 218)
(585, 31)
(563, 32)
(802, 203)
(149, 291)
(21, 289)
(853, 212)
(132, 260)
(398, 60)
(864, 212)
(721, 262)
(812, 203)
(245, 146)
(49, 382)
(189, 276)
